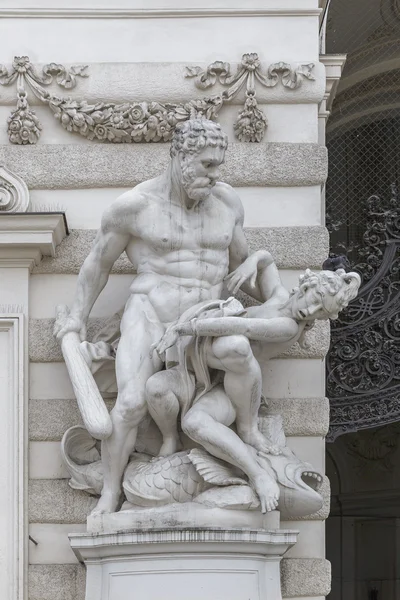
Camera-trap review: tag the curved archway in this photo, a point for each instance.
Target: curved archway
(363, 140)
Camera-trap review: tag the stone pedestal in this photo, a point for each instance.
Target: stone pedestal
(183, 564)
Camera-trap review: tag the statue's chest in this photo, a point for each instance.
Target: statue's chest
(174, 229)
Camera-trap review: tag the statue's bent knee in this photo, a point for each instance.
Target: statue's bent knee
(193, 423)
(131, 407)
(155, 388)
(233, 347)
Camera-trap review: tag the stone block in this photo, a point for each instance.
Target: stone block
(43, 347)
(300, 577)
(56, 582)
(292, 248)
(49, 419)
(301, 416)
(53, 501)
(57, 166)
(305, 577)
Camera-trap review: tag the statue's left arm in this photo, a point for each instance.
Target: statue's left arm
(238, 250)
(257, 274)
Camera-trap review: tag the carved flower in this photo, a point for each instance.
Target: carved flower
(21, 63)
(250, 61)
(244, 132)
(97, 116)
(137, 113)
(251, 123)
(138, 132)
(66, 121)
(23, 129)
(150, 129)
(152, 122)
(100, 132)
(14, 125)
(25, 134)
(78, 119)
(117, 120)
(171, 119)
(164, 130)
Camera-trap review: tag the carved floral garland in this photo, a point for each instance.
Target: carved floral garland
(142, 121)
(251, 124)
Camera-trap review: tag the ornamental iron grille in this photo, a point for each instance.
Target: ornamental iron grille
(363, 364)
(363, 140)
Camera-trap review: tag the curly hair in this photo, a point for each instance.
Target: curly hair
(191, 136)
(338, 284)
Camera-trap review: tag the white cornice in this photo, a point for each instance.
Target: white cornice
(334, 64)
(26, 237)
(164, 13)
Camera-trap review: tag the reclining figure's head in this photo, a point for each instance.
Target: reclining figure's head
(323, 294)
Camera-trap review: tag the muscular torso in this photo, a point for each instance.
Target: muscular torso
(181, 256)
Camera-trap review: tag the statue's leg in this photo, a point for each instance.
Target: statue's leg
(242, 383)
(134, 365)
(165, 393)
(207, 423)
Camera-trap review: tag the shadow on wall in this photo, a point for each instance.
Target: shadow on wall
(363, 530)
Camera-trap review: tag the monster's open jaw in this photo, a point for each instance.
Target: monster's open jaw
(312, 479)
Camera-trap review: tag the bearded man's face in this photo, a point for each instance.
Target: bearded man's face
(200, 172)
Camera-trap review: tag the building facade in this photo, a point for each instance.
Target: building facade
(61, 170)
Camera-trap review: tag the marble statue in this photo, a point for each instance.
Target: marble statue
(186, 357)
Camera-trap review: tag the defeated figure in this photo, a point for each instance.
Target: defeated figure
(208, 408)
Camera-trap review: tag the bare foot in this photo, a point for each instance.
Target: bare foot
(267, 490)
(107, 504)
(261, 443)
(169, 446)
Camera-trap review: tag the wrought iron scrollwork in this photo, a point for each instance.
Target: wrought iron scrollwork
(363, 364)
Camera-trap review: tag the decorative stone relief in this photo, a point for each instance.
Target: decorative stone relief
(188, 362)
(251, 123)
(143, 121)
(14, 194)
(23, 125)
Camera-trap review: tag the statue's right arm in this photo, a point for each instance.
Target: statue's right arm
(272, 330)
(111, 240)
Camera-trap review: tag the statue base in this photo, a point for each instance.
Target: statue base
(183, 564)
(189, 515)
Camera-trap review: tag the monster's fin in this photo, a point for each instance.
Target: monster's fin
(214, 471)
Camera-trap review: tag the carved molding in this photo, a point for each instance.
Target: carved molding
(14, 194)
(13, 458)
(143, 121)
(99, 12)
